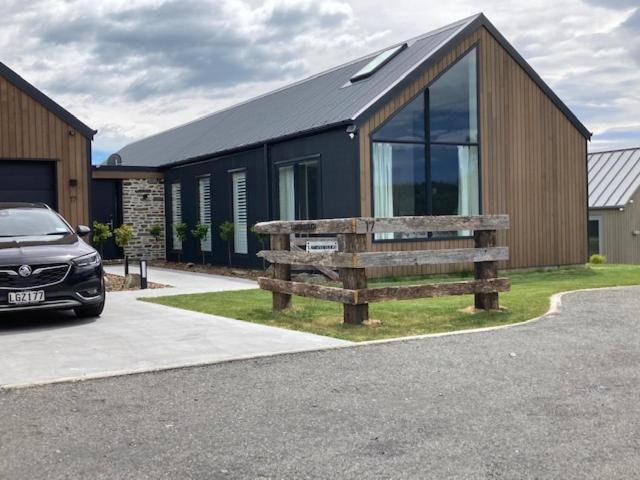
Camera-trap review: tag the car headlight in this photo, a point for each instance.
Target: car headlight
(90, 260)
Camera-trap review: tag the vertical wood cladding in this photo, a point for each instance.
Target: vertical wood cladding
(533, 164)
(28, 131)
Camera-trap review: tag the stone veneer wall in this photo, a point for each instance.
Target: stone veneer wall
(143, 208)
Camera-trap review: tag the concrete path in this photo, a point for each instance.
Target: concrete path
(551, 399)
(135, 336)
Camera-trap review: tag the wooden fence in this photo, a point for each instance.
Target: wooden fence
(352, 259)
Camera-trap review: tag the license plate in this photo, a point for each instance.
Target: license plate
(21, 298)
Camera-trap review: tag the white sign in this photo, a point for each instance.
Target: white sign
(322, 246)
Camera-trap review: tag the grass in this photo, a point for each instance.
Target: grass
(528, 298)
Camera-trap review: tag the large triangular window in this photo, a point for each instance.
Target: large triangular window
(425, 157)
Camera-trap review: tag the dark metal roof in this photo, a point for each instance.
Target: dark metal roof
(614, 177)
(20, 83)
(320, 102)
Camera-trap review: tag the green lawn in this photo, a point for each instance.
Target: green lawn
(528, 298)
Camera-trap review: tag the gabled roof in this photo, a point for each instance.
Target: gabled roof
(20, 83)
(614, 177)
(323, 101)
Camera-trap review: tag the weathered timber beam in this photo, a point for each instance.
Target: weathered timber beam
(406, 292)
(440, 223)
(308, 290)
(386, 259)
(384, 294)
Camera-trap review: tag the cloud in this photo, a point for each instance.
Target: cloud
(131, 68)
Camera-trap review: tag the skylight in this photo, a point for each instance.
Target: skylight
(377, 63)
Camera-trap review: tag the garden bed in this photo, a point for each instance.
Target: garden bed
(115, 283)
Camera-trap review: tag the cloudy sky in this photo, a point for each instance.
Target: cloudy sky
(132, 68)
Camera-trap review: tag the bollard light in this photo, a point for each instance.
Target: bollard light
(143, 274)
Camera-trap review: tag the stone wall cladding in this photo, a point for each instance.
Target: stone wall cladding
(143, 208)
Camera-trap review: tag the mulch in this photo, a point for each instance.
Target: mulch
(115, 283)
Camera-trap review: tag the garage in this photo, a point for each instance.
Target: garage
(28, 181)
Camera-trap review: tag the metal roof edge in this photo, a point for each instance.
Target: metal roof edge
(250, 146)
(55, 108)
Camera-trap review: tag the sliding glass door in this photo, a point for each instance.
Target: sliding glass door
(298, 190)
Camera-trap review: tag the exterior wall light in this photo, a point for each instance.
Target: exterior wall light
(351, 131)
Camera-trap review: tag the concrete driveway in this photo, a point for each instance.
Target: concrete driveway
(551, 399)
(133, 336)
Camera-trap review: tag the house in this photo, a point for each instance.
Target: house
(45, 151)
(454, 121)
(614, 205)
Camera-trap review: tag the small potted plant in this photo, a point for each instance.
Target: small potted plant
(182, 231)
(226, 234)
(262, 240)
(200, 232)
(101, 233)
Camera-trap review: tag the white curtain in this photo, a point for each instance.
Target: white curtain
(383, 183)
(468, 194)
(286, 188)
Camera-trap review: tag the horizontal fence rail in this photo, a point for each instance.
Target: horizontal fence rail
(363, 225)
(352, 260)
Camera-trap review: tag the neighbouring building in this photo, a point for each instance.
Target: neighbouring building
(454, 121)
(614, 205)
(45, 151)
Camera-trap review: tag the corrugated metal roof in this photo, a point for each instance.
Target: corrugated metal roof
(614, 177)
(324, 100)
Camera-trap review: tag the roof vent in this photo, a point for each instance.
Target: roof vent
(114, 159)
(377, 63)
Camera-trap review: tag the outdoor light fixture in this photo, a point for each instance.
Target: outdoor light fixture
(351, 130)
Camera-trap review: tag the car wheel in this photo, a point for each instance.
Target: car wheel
(91, 311)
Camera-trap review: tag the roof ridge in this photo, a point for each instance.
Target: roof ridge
(311, 77)
(613, 151)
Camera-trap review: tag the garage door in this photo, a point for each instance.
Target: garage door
(28, 181)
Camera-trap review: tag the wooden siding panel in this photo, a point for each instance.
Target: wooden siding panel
(28, 131)
(533, 165)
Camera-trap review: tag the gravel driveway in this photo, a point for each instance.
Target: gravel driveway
(554, 399)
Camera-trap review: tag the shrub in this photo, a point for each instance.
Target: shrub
(200, 232)
(227, 230)
(123, 235)
(101, 233)
(597, 259)
(182, 233)
(155, 232)
(262, 240)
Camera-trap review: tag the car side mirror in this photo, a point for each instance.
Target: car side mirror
(83, 230)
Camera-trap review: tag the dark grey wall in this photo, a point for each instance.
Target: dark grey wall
(338, 157)
(339, 166)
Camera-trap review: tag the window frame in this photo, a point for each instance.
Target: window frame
(230, 174)
(207, 176)
(173, 224)
(600, 220)
(428, 143)
(295, 161)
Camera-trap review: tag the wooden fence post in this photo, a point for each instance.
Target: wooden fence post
(486, 270)
(281, 271)
(354, 279)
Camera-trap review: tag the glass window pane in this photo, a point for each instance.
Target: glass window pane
(407, 124)
(399, 182)
(453, 104)
(594, 236)
(286, 193)
(204, 210)
(455, 182)
(308, 181)
(378, 62)
(240, 243)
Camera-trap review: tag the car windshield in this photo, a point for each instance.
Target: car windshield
(30, 222)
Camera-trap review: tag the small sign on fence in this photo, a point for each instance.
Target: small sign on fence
(322, 246)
